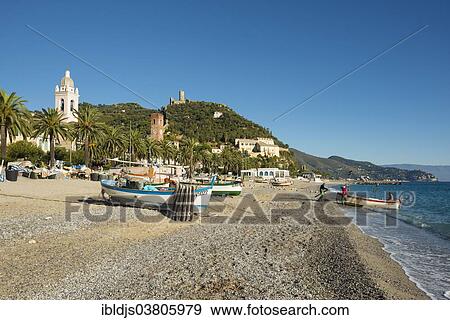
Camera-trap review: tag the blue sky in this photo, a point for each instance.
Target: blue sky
(260, 58)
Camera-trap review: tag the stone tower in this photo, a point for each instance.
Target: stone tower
(181, 96)
(66, 98)
(157, 126)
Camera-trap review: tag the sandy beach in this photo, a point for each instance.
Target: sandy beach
(301, 255)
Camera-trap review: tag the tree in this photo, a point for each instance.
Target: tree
(153, 149)
(168, 150)
(188, 154)
(25, 150)
(114, 142)
(88, 129)
(50, 124)
(14, 119)
(138, 147)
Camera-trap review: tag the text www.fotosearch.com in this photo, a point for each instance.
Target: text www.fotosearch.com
(163, 309)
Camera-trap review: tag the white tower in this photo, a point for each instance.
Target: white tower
(66, 98)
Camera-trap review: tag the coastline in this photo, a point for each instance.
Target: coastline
(47, 257)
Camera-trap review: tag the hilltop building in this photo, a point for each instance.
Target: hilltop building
(66, 98)
(181, 99)
(157, 126)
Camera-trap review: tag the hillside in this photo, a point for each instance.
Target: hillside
(121, 114)
(338, 167)
(440, 172)
(192, 119)
(229, 126)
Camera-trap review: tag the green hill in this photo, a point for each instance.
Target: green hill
(192, 119)
(196, 119)
(338, 167)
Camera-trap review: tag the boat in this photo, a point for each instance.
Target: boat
(220, 188)
(281, 182)
(158, 197)
(353, 200)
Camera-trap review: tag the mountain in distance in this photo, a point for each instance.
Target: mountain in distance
(441, 172)
(341, 168)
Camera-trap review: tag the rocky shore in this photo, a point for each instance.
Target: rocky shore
(301, 250)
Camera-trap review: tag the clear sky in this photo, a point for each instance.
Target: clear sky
(260, 58)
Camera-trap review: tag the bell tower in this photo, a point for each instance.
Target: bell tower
(66, 98)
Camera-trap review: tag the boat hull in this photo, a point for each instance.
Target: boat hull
(161, 199)
(226, 189)
(372, 203)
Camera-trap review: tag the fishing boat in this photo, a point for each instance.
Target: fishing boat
(158, 197)
(353, 200)
(281, 182)
(220, 188)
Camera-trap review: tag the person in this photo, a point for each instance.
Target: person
(322, 191)
(390, 197)
(344, 192)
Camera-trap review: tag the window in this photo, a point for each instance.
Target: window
(71, 105)
(266, 173)
(271, 173)
(261, 173)
(62, 104)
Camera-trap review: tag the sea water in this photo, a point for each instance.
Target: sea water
(417, 235)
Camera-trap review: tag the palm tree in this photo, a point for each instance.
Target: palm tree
(138, 148)
(114, 142)
(88, 129)
(50, 124)
(14, 118)
(188, 154)
(168, 149)
(153, 149)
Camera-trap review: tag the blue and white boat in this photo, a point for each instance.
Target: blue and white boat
(158, 197)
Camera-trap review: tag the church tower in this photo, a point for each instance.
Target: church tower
(66, 98)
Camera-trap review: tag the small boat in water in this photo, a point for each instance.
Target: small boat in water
(353, 200)
(158, 197)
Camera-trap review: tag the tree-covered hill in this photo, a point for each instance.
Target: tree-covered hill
(192, 120)
(121, 114)
(196, 119)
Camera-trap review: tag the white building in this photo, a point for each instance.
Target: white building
(66, 98)
(265, 173)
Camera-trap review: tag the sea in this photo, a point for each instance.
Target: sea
(417, 235)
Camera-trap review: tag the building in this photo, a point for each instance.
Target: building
(217, 114)
(66, 98)
(265, 173)
(181, 98)
(246, 145)
(157, 126)
(266, 149)
(258, 146)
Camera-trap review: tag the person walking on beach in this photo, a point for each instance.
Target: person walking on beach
(322, 191)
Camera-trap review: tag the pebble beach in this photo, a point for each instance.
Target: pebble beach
(51, 250)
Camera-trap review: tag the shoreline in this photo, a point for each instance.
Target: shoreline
(47, 257)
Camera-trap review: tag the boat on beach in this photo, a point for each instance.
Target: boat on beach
(281, 182)
(158, 197)
(220, 188)
(353, 200)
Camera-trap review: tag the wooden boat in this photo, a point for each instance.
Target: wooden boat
(353, 200)
(161, 198)
(260, 180)
(221, 188)
(281, 182)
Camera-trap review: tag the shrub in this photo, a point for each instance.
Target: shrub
(25, 150)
